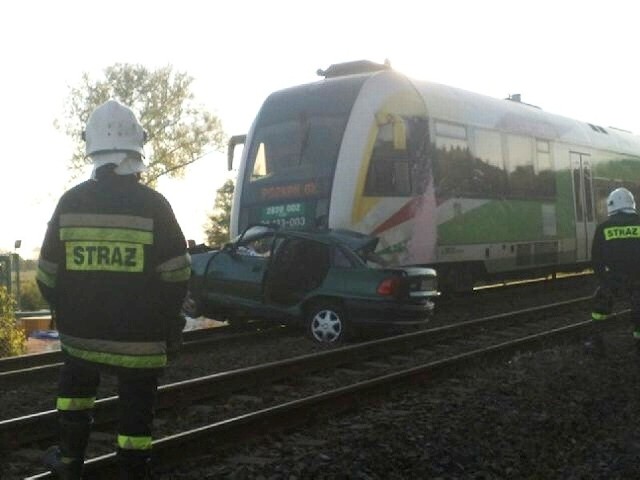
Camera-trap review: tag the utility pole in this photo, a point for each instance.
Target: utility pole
(16, 257)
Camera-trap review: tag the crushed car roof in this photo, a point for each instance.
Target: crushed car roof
(354, 240)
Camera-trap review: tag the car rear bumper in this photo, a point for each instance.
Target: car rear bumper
(371, 313)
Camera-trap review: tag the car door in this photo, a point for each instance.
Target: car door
(298, 267)
(235, 274)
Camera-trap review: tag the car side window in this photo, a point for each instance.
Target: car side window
(259, 247)
(340, 260)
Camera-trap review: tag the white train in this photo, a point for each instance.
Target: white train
(474, 186)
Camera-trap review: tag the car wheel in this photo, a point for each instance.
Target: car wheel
(326, 323)
(191, 307)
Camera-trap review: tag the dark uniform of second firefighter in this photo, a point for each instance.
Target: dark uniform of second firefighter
(114, 267)
(615, 255)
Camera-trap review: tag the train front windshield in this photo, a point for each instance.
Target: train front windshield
(293, 152)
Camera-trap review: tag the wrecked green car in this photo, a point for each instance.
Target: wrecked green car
(326, 281)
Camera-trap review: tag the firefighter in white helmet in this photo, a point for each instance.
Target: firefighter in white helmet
(114, 268)
(615, 256)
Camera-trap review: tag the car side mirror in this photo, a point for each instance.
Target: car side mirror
(230, 248)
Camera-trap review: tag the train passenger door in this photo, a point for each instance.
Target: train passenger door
(584, 205)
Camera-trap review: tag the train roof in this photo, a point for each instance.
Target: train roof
(508, 115)
(461, 106)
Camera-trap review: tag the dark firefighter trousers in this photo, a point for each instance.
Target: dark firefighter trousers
(612, 289)
(77, 388)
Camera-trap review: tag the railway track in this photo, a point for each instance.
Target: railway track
(276, 394)
(19, 370)
(44, 366)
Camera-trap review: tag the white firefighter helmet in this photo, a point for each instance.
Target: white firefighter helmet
(621, 200)
(113, 127)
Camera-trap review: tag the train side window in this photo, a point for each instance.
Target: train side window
(605, 181)
(489, 160)
(389, 165)
(601, 189)
(543, 156)
(545, 180)
(451, 131)
(459, 171)
(397, 167)
(520, 167)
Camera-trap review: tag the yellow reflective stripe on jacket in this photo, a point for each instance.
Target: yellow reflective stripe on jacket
(127, 442)
(47, 266)
(176, 269)
(46, 278)
(181, 275)
(78, 403)
(47, 272)
(104, 256)
(118, 359)
(106, 234)
(621, 232)
(106, 220)
(114, 346)
(598, 316)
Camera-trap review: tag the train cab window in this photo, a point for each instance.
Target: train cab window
(260, 165)
(276, 150)
(306, 145)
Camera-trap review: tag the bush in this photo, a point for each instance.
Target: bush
(30, 297)
(12, 338)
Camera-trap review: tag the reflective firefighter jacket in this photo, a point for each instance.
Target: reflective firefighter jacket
(114, 267)
(616, 247)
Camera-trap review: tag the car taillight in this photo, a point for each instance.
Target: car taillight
(389, 286)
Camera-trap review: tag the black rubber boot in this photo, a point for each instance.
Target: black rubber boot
(67, 460)
(636, 340)
(64, 468)
(135, 467)
(601, 304)
(595, 345)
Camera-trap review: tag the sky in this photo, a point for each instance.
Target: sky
(574, 58)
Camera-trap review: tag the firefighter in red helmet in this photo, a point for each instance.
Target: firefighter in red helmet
(114, 268)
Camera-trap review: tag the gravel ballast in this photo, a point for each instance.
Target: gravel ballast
(561, 413)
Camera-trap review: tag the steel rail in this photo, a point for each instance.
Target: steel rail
(172, 450)
(42, 425)
(41, 366)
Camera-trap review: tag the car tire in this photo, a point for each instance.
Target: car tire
(326, 323)
(191, 307)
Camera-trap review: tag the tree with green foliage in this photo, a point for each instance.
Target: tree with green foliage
(30, 297)
(12, 338)
(179, 130)
(217, 228)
